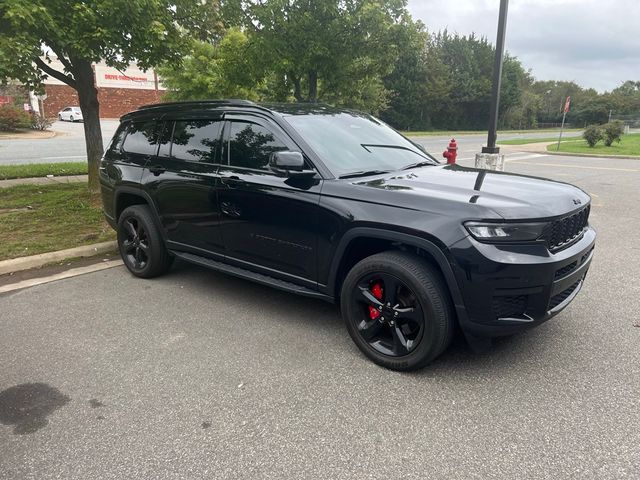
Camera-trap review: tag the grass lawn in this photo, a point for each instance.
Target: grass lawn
(43, 218)
(629, 145)
(524, 141)
(42, 170)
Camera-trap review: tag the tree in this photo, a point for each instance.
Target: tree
(80, 32)
(230, 68)
(331, 50)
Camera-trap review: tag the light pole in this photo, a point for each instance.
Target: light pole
(497, 77)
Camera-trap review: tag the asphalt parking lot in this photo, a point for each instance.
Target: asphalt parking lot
(200, 375)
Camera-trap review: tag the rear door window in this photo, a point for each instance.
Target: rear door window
(196, 140)
(142, 138)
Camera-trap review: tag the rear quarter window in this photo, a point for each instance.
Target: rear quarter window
(142, 138)
(116, 142)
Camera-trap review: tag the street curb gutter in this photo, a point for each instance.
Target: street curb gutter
(35, 261)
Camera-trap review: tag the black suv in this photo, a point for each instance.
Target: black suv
(334, 204)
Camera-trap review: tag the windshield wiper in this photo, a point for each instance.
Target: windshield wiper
(419, 164)
(363, 173)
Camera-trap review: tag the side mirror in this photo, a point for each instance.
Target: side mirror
(290, 164)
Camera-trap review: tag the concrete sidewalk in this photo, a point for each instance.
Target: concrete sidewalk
(43, 180)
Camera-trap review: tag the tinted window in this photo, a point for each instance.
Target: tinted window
(165, 139)
(116, 141)
(196, 140)
(251, 145)
(142, 138)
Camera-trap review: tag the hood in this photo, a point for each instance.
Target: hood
(509, 195)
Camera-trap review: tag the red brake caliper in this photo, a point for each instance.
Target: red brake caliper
(376, 290)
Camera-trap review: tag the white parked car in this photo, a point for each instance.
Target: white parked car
(71, 114)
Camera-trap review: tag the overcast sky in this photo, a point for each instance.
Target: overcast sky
(595, 43)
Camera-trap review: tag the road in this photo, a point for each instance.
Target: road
(200, 375)
(68, 145)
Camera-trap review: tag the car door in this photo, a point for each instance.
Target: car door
(182, 181)
(269, 222)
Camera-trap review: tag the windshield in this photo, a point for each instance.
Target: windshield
(349, 143)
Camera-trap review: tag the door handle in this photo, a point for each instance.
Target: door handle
(232, 182)
(157, 170)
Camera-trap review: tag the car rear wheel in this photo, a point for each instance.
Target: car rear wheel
(141, 246)
(397, 310)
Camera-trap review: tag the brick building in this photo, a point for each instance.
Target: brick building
(119, 91)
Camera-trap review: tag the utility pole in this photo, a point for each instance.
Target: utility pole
(490, 157)
(497, 80)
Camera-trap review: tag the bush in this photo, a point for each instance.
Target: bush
(38, 122)
(612, 132)
(13, 118)
(592, 134)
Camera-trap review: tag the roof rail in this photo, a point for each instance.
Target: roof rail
(228, 101)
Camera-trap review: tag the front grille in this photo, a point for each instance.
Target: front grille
(509, 306)
(562, 296)
(562, 232)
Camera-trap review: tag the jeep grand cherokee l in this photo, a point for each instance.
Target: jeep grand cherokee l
(334, 204)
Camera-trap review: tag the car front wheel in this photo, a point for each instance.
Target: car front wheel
(397, 309)
(140, 243)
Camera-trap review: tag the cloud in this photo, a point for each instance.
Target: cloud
(594, 43)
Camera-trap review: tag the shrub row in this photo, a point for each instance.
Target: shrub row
(14, 118)
(609, 133)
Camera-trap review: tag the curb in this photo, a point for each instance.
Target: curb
(12, 182)
(26, 135)
(35, 261)
(74, 272)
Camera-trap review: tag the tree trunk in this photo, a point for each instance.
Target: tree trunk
(313, 86)
(297, 89)
(88, 96)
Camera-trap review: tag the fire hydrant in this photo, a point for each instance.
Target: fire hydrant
(451, 152)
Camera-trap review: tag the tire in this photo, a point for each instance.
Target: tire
(60, 117)
(414, 321)
(71, 118)
(141, 246)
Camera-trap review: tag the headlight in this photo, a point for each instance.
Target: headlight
(505, 232)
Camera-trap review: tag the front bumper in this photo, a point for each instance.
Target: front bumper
(509, 288)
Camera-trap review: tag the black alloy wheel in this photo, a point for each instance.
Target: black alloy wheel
(397, 309)
(141, 245)
(135, 246)
(392, 320)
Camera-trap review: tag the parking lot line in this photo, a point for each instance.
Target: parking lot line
(562, 165)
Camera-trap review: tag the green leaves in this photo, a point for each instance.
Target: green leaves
(116, 31)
